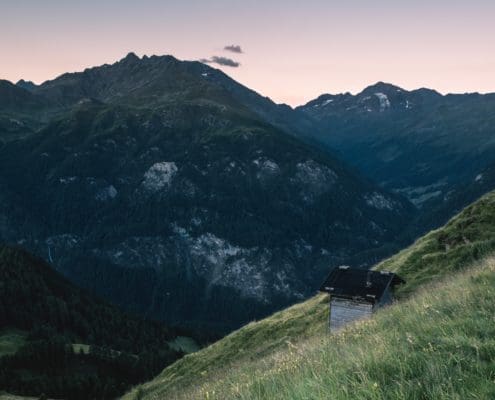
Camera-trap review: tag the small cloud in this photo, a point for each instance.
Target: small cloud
(234, 48)
(227, 62)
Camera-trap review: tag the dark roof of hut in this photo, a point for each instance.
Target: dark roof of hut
(357, 283)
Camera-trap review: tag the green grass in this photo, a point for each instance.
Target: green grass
(466, 238)
(437, 343)
(440, 344)
(252, 342)
(11, 341)
(185, 344)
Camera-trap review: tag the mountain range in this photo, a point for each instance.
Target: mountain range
(418, 143)
(155, 202)
(162, 186)
(152, 178)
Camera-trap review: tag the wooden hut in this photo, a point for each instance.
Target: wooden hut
(356, 293)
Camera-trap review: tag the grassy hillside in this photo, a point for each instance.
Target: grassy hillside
(436, 344)
(467, 237)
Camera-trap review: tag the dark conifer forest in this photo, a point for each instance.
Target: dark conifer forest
(74, 346)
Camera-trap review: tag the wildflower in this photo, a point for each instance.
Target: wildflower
(409, 338)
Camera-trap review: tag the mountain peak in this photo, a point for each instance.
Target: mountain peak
(131, 56)
(28, 85)
(382, 87)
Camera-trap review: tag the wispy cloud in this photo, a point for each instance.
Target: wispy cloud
(224, 61)
(234, 48)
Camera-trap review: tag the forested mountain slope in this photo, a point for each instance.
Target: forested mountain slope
(159, 185)
(58, 340)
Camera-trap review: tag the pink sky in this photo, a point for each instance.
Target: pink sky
(294, 51)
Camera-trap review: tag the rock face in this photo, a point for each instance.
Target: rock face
(379, 201)
(313, 179)
(164, 191)
(159, 176)
(418, 143)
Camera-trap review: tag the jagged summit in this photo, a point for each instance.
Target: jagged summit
(159, 81)
(417, 142)
(131, 56)
(28, 85)
(379, 87)
(382, 87)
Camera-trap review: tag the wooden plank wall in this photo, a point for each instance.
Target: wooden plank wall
(344, 311)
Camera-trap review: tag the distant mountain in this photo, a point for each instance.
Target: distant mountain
(21, 111)
(28, 85)
(174, 191)
(58, 340)
(159, 80)
(417, 143)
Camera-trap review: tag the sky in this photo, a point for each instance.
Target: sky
(292, 51)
